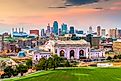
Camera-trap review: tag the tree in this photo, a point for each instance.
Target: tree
(46, 64)
(119, 56)
(50, 62)
(9, 71)
(109, 58)
(42, 64)
(67, 64)
(15, 72)
(56, 61)
(22, 69)
(2, 65)
(115, 57)
(29, 63)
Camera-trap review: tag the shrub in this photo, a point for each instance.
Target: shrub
(109, 58)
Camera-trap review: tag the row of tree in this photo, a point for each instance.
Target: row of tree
(15, 70)
(115, 57)
(10, 71)
(43, 64)
(52, 62)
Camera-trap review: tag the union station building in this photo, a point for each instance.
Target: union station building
(70, 49)
(73, 49)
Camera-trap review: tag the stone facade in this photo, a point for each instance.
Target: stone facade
(38, 55)
(72, 49)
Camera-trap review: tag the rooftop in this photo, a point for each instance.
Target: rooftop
(118, 40)
(20, 34)
(72, 42)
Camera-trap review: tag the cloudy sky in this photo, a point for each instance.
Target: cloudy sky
(36, 14)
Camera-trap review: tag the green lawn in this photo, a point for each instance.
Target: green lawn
(75, 74)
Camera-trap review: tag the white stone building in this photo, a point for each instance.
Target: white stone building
(40, 54)
(94, 54)
(69, 49)
(73, 49)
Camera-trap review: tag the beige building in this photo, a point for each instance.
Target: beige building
(103, 32)
(117, 46)
(113, 33)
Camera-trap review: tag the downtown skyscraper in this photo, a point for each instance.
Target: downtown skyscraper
(55, 27)
(64, 29)
(43, 33)
(71, 30)
(98, 31)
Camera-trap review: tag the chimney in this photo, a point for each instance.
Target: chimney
(19, 30)
(12, 29)
(22, 29)
(16, 29)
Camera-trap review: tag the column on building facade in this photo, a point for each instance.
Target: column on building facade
(86, 52)
(58, 52)
(89, 53)
(74, 52)
(65, 52)
(68, 53)
(77, 56)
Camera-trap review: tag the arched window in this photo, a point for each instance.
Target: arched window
(36, 57)
(55, 50)
(81, 54)
(62, 53)
(71, 54)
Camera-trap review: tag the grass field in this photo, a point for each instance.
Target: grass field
(75, 74)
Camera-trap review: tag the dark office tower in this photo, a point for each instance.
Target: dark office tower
(55, 27)
(71, 30)
(48, 28)
(98, 31)
(52, 30)
(42, 32)
(89, 38)
(60, 32)
(64, 29)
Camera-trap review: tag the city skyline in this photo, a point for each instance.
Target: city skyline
(57, 27)
(31, 14)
